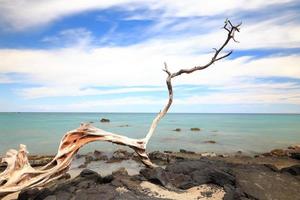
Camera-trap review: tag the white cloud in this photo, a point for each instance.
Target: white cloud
(41, 92)
(65, 71)
(267, 95)
(109, 105)
(137, 65)
(80, 37)
(5, 79)
(20, 15)
(80, 64)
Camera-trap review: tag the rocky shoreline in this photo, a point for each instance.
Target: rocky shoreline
(272, 175)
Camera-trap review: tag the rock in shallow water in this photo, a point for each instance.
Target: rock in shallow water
(177, 130)
(104, 120)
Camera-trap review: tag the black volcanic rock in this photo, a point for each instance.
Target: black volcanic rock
(239, 181)
(104, 120)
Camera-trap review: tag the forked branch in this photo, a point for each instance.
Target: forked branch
(231, 29)
(20, 175)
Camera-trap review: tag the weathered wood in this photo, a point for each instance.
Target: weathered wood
(19, 174)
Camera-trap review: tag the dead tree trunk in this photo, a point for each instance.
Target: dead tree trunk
(20, 175)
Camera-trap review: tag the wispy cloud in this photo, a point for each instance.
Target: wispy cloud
(20, 15)
(42, 92)
(75, 58)
(79, 37)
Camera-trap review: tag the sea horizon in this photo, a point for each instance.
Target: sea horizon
(258, 113)
(250, 133)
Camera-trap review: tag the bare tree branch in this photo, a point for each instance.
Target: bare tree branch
(216, 57)
(20, 175)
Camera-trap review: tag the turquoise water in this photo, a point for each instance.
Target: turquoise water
(251, 133)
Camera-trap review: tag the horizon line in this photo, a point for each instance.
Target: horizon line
(86, 112)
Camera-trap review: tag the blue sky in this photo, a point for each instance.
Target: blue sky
(107, 56)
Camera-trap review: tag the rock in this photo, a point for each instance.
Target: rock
(88, 173)
(89, 157)
(66, 176)
(121, 154)
(121, 171)
(32, 194)
(82, 166)
(63, 195)
(161, 158)
(87, 186)
(104, 120)
(185, 151)
(156, 175)
(207, 194)
(295, 155)
(186, 174)
(51, 197)
(239, 152)
(224, 156)
(267, 154)
(126, 125)
(259, 182)
(195, 129)
(278, 152)
(294, 170)
(294, 147)
(209, 154)
(98, 155)
(157, 155)
(210, 142)
(37, 160)
(78, 156)
(177, 129)
(240, 181)
(108, 179)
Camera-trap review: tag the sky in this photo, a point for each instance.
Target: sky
(108, 56)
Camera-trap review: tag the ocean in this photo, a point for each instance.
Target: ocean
(249, 133)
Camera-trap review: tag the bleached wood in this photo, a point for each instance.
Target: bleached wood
(19, 174)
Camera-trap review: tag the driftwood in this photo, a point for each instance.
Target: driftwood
(20, 175)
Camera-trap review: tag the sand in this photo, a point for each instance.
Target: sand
(203, 192)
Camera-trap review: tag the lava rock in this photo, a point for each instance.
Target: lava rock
(177, 129)
(98, 155)
(295, 155)
(88, 173)
(210, 142)
(104, 120)
(186, 151)
(195, 129)
(278, 152)
(294, 170)
(121, 154)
